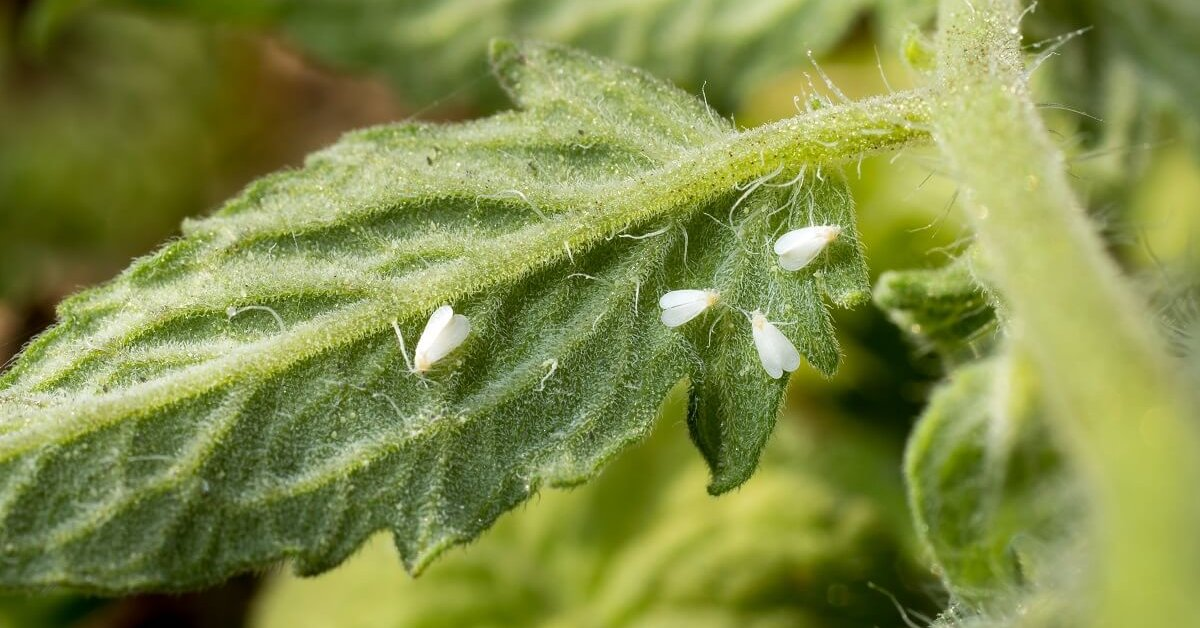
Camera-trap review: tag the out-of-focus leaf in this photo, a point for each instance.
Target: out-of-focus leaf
(943, 309)
(107, 139)
(989, 491)
(47, 610)
(433, 51)
(1162, 244)
(1192, 353)
(641, 546)
(41, 21)
(1176, 298)
(1158, 39)
(239, 397)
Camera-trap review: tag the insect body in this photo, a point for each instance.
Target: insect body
(444, 332)
(775, 351)
(681, 306)
(797, 249)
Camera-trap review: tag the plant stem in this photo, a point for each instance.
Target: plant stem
(1118, 403)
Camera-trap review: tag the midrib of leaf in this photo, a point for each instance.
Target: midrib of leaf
(828, 136)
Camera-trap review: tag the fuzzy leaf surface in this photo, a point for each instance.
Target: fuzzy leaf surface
(943, 310)
(240, 397)
(991, 495)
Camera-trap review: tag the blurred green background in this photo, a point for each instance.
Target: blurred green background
(118, 119)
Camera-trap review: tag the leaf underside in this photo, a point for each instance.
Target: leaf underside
(240, 398)
(943, 310)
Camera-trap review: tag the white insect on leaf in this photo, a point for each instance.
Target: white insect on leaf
(681, 306)
(797, 249)
(444, 332)
(775, 351)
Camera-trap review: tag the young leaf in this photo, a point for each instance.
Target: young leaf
(240, 397)
(729, 426)
(943, 309)
(990, 494)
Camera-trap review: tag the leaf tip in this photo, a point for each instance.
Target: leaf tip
(724, 482)
(508, 58)
(502, 50)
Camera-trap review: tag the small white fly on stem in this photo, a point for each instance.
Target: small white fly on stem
(797, 249)
(776, 353)
(681, 306)
(444, 332)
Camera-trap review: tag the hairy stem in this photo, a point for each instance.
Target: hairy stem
(1118, 402)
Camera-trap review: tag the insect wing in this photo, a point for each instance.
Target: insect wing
(437, 323)
(775, 351)
(452, 335)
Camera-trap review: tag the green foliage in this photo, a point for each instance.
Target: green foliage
(105, 149)
(641, 545)
(239, 400)
(726, 423)
(435, 51)
(1159, 39)
(52, 609)
(990, 493)
(943, 309)
(240, 397)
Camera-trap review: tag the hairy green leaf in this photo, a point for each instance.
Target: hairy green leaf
(241, 397)
(727, 46)
(991, 495)
(802, 545)
(943, 309)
